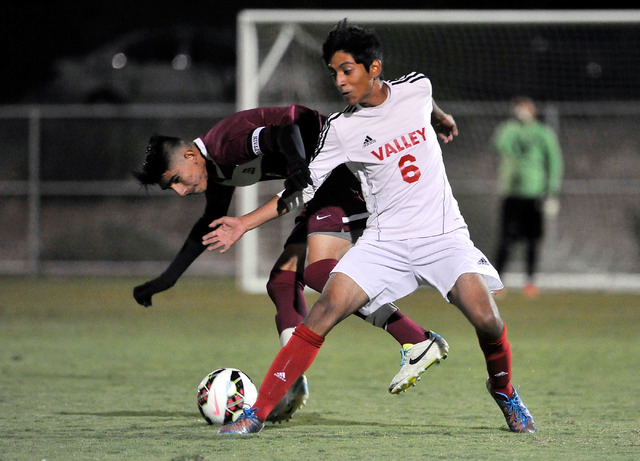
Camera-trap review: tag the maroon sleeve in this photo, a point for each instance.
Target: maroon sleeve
(229, 141)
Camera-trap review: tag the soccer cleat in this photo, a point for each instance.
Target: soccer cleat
(416, 358)
(515, 412)
(247, 423)
(295, 398)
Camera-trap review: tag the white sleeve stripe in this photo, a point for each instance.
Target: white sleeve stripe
(198, 142)
(255, 141)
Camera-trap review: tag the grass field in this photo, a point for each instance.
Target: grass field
(85, 373)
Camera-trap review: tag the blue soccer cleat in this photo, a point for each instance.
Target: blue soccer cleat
(247, 423)
(515, 412)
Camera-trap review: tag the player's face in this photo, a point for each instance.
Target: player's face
(187, 174)
(356, 85)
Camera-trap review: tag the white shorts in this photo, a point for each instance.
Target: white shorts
(390, 270)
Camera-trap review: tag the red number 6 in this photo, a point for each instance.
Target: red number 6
(410, 173)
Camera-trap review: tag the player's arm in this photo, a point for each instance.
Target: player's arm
(228, 230)
(288, 139)
(443, 123)
(218, 201)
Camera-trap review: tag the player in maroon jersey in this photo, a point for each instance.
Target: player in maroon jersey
(258, 145)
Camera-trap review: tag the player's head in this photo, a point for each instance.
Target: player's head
(175, 164)
(523, 108)
(357, 41)
(354, 58)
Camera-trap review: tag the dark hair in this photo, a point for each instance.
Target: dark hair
(359, 42)
(156, 159)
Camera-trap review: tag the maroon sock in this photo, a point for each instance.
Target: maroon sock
(286, 290)
(317, 274)
(292, 360)
(497, 354)
(405, 330)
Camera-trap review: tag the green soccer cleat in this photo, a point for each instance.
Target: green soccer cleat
(515, 412)
(247, 423)
(416, 358)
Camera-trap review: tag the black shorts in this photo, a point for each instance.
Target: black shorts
(522, 218)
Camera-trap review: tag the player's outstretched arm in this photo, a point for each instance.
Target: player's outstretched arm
(228, 230)
(191, 249)
(443, 123)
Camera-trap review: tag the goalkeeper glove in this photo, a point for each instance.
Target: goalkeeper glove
(299, 176)
(143, 293)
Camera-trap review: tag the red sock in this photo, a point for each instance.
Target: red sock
(292, 360)
(497, 354)
(286, 290)
(317, 274)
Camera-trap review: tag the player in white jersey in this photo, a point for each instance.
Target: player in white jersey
(415, 233)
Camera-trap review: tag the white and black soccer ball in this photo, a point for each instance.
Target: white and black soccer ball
(223, 393)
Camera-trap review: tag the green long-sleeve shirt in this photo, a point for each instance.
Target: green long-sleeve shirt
(531, 163)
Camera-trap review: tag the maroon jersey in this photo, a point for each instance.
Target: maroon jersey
(242, 149)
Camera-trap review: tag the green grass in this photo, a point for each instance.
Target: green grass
(85, 373)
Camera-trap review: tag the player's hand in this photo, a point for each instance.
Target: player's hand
(299, 178)
(446, 128)
(551, 207)
(143, 293)
(227, 231)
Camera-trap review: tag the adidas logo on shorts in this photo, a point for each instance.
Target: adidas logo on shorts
(483, 262)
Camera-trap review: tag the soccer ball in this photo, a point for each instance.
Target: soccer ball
(223, 393)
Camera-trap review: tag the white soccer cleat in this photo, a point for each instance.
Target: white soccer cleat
(295, 398)
(416, 358)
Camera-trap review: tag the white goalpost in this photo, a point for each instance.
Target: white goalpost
(578, 64)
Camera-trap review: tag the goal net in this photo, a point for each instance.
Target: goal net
(580, 66)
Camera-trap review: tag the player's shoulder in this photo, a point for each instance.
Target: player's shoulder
(333, 124)
(411, 79)
(341, 115)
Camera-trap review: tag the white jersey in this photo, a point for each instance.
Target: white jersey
(393, 150)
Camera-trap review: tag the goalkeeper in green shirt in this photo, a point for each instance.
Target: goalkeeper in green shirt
(530, 174)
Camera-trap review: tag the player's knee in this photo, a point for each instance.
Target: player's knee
(323, 316)
(316, 274)
(279, 279)
(487, 323)
(380, 316)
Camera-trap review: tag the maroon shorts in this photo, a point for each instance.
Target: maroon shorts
(337, 208)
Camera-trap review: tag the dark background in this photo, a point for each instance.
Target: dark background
(34, 34)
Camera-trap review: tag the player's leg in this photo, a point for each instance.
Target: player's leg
(325, 250)
(419, 348)
(286, 289)
(472, 296)
(464, 276)
(286, 280)
(506, 239)
(531, 290)
(532, 230)
(340, 298)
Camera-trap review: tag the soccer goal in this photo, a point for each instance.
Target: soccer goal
(580, 66)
